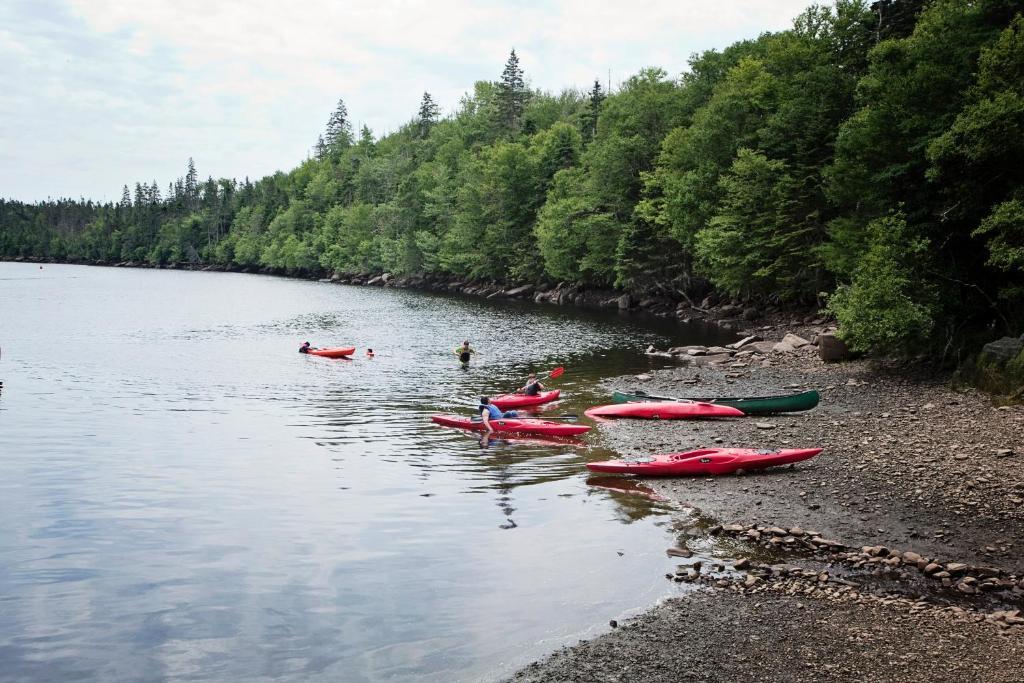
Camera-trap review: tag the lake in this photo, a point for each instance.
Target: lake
(183, 496)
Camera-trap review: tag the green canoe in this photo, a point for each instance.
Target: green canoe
(751, 405)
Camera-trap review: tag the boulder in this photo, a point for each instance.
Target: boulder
(795, 341)
(783, 347)
(729, 310)
(751, 313)
(743, 342)
(525, 290)
(625, 302)
(1002, 350)
(685, 350)
(385, 278)
(761, 346)
(831, 348)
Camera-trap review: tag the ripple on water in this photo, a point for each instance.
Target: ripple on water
(179, 486)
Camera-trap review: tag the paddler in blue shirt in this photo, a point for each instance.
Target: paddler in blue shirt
(489, 411)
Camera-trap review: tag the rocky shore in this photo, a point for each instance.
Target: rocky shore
(894, 554)
(728, 314)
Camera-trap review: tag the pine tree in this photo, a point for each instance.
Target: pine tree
(191, 186)
(154, 194)
(320, 149)
(429, 111)
(339, 129)
(512, 94)
(592, 111)
(126, 198)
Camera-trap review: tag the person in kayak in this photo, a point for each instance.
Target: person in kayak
(464, 352)
(489, 411)
(305, 347)
(532, 386)
(369, 353)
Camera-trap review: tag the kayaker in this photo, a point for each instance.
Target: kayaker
(489, 411)
(532, 386)
(464, 352)
(369, 353)
(305, 347)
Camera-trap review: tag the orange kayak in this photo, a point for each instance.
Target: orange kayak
(339, 352)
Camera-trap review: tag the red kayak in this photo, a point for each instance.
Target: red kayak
(705, 461)
(510, 401)
(656, 410)
(521, 425)
(339, 352)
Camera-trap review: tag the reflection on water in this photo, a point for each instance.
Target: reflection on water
(186, 496)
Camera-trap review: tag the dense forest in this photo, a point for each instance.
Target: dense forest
(868, 160)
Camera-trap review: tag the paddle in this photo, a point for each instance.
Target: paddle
(557, 372)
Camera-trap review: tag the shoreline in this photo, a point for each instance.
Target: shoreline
(712, 309)
(914, 565)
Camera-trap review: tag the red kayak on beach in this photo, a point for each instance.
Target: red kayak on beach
(656, 410)
(705, 461)
(521, 425)
(339, 352)
(510, 401)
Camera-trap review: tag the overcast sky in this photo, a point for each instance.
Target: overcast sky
(98, 93)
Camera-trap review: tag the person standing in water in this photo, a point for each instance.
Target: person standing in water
(464, 352)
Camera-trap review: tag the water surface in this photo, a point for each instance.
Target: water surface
(185, 497)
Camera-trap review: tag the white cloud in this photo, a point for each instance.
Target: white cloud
(245, 87)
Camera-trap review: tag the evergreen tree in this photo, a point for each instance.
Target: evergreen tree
(339, 129)
(191, 186)
(126, 198)
(592, 111)
(429, 111)
(512, 94)
(320, 149)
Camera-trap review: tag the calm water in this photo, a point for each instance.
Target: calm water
(183, 496)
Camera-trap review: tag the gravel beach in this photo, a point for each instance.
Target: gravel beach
(916, 504)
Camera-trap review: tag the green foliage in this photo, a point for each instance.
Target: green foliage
(886, 307)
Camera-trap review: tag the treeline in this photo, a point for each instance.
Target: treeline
(869, 160)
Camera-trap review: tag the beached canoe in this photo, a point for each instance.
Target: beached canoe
(667, 410)
(521, 425)
(339, 352)
(750, 405)
(512, 401)
(705, 461)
